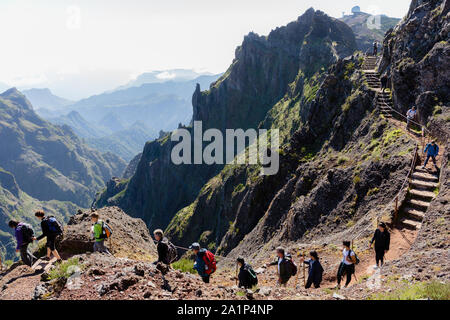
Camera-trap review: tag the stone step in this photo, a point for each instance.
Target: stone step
(424, 184)
(411, 224)
(418, 204)
(425, 176)
(414, 214)
(422, 194)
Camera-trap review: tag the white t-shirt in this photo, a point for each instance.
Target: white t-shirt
(411, 114)
(345, 253)
(279, 262)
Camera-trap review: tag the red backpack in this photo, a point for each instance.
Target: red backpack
(210, 261)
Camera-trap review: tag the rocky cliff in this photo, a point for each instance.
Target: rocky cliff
(260, 75)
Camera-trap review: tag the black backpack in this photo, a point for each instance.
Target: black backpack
(291, 264)
(27, 233)
(172, 253)
(253, 278)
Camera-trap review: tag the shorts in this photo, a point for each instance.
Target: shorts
(51, 242)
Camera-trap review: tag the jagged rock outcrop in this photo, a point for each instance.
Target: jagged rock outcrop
(130, 239)
(416, 57)
(257, 79)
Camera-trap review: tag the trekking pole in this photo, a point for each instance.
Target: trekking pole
(304, 278)
(236, 274)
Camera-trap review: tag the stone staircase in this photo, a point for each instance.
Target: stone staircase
(370, 63)
(421, 192)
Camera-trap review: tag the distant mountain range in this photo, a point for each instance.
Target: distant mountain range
(121, 121)
(45, 99)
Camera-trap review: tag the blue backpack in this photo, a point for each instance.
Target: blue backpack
(54, 226)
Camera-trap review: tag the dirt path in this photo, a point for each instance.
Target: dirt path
(19, 284)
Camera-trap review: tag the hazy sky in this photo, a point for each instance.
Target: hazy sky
(82, 47)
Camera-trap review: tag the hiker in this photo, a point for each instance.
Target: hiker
(24, 235)
(286, 267)
(432, 150)
(167, 253)
(205, 262)
(384, 81)
(375, 48)
(247, 277)
(347, 266)
(99, 237)
(50, 229)
(315, 270)
(382, 239)
(410, 116)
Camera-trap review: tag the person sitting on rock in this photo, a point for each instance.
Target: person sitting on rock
(432, 151)
(315, 270)
(347, 266)
(284, 267)
(99, 244)
(24, 236)
(382, 239)
(166, 251)
(247, 276)
(410, 116)
(51, 229)
(205, 262)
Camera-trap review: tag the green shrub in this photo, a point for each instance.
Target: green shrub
(184, 265)
(62, 270)
(433, 290)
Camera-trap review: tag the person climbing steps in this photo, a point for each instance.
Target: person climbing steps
(432, 151)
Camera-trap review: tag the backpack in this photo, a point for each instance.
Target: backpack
(106, 231)
(172, 253)
(27, 232)
(54, 226)
(356, 257)
(210, 261)
(291, 264)
(253, 277)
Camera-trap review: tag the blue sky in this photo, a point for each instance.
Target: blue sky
(82, 47)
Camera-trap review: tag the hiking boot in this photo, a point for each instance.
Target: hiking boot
(46, 258)
(59, 261)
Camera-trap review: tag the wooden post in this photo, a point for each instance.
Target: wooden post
(236, 274)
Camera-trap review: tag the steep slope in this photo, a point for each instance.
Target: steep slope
(416, 56)
(79, 125)
(257, 79)
(367, 30)
(45, 99)
(14, 203)
(49, 162)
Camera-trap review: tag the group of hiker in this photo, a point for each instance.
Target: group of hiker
(205, 263)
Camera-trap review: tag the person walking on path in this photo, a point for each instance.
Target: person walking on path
(410, 116)
(347, 266)
(432, 151)
(99, 244)
(382, 239)
(24, 236)
(167, 252)
(247, 276)
(51, 229)
(285, 267)
(315, 270)
(375, 48)
(205, 262)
